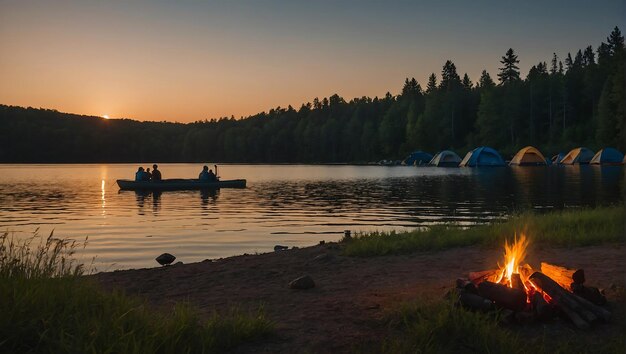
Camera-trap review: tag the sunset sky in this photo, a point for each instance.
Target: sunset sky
(187, 60)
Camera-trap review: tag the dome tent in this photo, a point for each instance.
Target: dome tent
(607, 156)
(556, 159)
(528, 156)
(481, 157)
(445, 158)
(418, 158)
(578, 156)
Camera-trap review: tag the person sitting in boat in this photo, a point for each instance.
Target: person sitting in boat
(156, 174)
(204, 175)
(148, 175)
(140, 174)
(212, 176)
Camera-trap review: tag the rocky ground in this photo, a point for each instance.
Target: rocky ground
(350, 296)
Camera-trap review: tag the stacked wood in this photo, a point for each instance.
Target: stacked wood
(543, 310)
(516, 281)
(580, 311)
(503, 296)
(565, 277)
(479, 277)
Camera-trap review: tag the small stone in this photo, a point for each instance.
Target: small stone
(179, 263)
(280, 248)
(323, 257)
(302, 283)
(165, 259)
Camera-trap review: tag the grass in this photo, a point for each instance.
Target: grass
(47, 306)
(424, 326)
(558, 228)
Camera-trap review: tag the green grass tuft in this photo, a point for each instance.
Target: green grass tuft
(423, 326)
(558, 228)
(47, 306)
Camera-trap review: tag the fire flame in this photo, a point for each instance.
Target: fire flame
(514, 255)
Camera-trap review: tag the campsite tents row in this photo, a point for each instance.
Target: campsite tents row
(528, 156)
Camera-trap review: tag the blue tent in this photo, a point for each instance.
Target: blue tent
(482, 156)
(418, 158)
(607, 156)
(556, 159)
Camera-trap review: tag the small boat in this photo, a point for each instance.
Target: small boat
(179, 184)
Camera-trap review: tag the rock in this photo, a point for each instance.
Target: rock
(324, 257)
(165, 259)
(179, 263)
(280, 248)
(303, 282)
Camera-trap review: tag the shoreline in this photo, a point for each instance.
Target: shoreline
(352, 295)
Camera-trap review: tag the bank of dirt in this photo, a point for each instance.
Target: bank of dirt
(351, 295)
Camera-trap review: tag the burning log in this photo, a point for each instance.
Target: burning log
(516, 281)
(543, 310)
(503, 296)
(579, 310)
(565, 277)
(479, 277)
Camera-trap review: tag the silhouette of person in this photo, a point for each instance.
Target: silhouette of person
(148, 174)
(204, 175)
(212, 176)
(140, 174)
(156, 174)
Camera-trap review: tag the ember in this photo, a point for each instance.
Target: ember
(531, 294)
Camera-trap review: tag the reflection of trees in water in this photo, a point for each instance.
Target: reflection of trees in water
(479, 196)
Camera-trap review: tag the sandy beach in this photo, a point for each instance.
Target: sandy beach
(351, 295)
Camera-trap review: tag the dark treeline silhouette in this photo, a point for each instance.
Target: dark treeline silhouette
(562, 103)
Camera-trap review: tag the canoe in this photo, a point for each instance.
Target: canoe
(179, 184)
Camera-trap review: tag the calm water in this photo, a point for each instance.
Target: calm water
(287, 205)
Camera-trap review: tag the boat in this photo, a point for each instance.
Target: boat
(179, 184)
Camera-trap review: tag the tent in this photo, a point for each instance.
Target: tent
(578, 156)
(482, 156)
(556, 159)
(445, 158)
(607, 156)
(528, 156)
(418, 158)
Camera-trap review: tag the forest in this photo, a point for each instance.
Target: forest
(562, 103)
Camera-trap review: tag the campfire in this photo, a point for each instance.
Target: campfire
(527, 294)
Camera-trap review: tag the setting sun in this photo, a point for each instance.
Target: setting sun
(105, 116)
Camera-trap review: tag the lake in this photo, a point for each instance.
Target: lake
(291, 205)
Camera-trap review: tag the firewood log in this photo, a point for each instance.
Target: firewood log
(590, 293)
(466, 285)
(478, 277)
(516, 281)
(543, 310)
(474, 302)
(563, 298)
(563, 276)
(503, 296)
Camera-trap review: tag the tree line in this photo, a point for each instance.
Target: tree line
(562, 103)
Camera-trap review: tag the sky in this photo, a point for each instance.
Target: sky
(193, 60)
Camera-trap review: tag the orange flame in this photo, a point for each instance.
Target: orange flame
(514, 255)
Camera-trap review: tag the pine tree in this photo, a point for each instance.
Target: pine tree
(485, 80)
(554, 68)
(467, 83)
(615, 41)
(432, 83)
(449, 77)
(510, 71)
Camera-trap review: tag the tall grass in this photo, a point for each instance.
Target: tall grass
(427, 326)
(559, 228)
(46, 306)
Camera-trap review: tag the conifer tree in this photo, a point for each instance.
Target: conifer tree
(510, 71)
